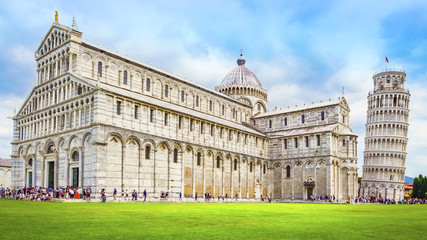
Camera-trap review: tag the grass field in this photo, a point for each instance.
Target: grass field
(44, 220)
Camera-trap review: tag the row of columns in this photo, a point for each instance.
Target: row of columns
(388, 101)
(388, 116)
(53, 68)
(72, 118)
(386, 160)
(397, 193)
(385, 145)
(384, 175)
(56, 95)
(243, 91)
(386, 130)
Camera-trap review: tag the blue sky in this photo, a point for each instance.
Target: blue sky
(302, 52)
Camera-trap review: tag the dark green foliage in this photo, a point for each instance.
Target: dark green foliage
(419, 189)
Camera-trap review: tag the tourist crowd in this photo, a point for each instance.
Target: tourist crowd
(49, 194)
(380, 200)
(46, 194)
(321, 198)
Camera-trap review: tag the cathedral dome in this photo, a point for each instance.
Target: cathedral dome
(241, 76)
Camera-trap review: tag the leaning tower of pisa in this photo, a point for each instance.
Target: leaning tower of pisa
(386, 137)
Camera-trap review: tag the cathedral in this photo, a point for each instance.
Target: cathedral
(98, 119)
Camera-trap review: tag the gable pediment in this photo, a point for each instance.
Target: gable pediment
(56, 36)
(344, 104)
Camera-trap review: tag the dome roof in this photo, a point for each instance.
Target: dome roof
(241, 75)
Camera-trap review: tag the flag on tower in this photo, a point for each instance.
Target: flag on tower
(386, 59)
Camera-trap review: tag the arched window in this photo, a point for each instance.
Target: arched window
(263, 169)
(250, 167)
(50, 149)
(223, 110)
(343, 142)
(147, 87)
(270, 123)
(210, 105)
(218, 162)
(100, 68)
(175, 155)
(199, 160)
(288, 171)
(182, 95)
(147, 152)
(303, 118)
(234, 113)
(30, 162)
(197, 101)
(75, 156)
(125, 77)
(322, 115)
(79, 90)
(235, 164)
(166, 91)
(259, 107)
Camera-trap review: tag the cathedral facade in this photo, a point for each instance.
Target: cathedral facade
(97, 119)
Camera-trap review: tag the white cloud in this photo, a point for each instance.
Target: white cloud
(22, 55)
(7, 106)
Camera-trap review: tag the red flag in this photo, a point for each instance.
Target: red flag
(386, 59)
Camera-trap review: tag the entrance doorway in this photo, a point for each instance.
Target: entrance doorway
(75, 177)
(30, 179)
(51, 172)
(309, 192)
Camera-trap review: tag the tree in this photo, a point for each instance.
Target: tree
(415, 188)
(424, 189)
(419, 188)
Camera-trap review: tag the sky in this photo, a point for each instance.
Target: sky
(301, 51)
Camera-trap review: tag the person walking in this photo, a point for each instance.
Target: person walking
(134, 195)
(145, 194)
(115, 193)
(103, 197)
(88, 191)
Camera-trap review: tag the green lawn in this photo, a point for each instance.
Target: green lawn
(44, 220)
